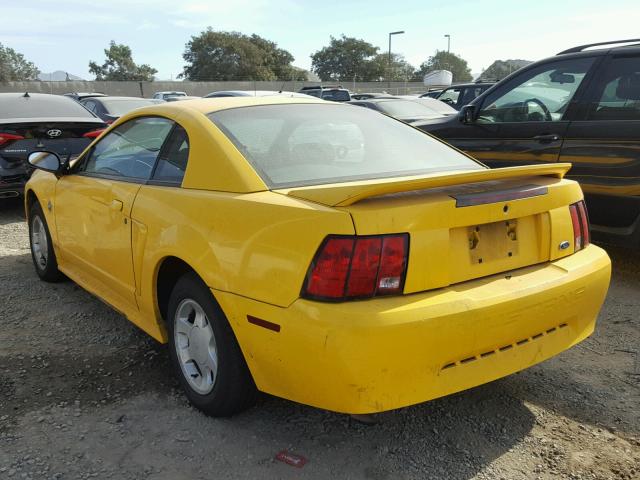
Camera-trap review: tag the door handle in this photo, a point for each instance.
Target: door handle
(547, 138)
(116, 205)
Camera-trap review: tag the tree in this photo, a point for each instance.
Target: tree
(120, 66)
(400, 70)
(14, 67)
(446, 61)
(501, 68)
(234, 56)
(346, 59)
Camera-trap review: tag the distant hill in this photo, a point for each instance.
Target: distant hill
(57, 76)
(501, 68)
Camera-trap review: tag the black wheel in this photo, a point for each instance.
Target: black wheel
(44, 258)
(205, 352)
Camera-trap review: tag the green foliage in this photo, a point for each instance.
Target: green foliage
(14, 67)
(501, 68)
(120, 66)
(446, 61)
(400, 70)
(347, 59)
(219, 56)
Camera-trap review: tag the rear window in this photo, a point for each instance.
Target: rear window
(336, 95)
(405, 108)
(297, 145)
(40, 105)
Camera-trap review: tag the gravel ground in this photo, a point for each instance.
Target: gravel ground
(84, 394)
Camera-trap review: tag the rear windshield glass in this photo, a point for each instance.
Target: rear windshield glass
(38, 106)
(337, 95)
(297, 145)
(120, 107)
(405, 108)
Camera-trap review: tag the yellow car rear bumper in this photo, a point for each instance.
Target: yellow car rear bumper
(381, 354)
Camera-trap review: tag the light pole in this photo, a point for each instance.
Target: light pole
(399, 32)
(448, 37)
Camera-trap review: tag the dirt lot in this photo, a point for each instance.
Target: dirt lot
(84, 394)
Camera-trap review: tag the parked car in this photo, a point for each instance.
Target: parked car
(77, 96)
(436, 105)
(333, 94)
(431, 94)
(408, 111)
(177, 99)
(580, 106)
(31, 121)
(367, 96)
(462, 94)
(110, 109)
(358, 279)
(167, 94)
(254, 93)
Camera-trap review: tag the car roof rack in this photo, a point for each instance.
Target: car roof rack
(584, 47)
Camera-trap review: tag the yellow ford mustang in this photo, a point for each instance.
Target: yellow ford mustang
(319, 252)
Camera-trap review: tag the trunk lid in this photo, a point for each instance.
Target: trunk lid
(463, 225)
(63, 138)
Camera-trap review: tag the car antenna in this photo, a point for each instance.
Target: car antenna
(26, 95)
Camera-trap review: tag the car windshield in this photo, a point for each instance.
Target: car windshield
(120, 107)
(297, 144)
(405, 109)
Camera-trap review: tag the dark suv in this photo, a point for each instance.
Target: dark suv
(581, 106)
(462, 94)
(333, 94)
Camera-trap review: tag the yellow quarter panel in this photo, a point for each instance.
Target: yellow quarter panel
(257, 245)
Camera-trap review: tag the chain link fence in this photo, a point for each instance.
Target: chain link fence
(199, 89)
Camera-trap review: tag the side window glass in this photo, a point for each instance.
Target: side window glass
(541, 94)
(173, 159)
(619, 93)
(450, 96)
(130, 150)
(91, 106)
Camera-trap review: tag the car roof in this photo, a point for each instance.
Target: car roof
(258, 93)
(85, 94)
(124, 98)
(381, 100)
(471, 84)
(210, 105)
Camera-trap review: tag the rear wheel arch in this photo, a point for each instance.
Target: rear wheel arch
(30, 199)
(169, 272)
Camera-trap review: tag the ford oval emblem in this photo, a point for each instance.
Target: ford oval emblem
(54, 132)
(564, 245)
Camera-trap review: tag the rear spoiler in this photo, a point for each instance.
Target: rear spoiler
(344, 194)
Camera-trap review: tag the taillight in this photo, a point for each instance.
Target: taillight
(9, 137)
(93, 133)
(580, 222)
(347, 267)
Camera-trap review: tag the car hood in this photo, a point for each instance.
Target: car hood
(435, 120)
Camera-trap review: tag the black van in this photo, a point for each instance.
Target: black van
(581, 106)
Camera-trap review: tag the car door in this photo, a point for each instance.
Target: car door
(525, 120)
(603, 144)
(93, 207)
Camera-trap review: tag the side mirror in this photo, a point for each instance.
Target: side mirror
(468, 114)
(47, 161)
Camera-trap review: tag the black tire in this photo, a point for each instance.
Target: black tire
(46, 267)
(233, 389)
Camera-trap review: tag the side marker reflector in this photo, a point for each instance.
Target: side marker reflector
(263, 323)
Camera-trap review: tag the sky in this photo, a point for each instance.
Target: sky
(67, 34)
